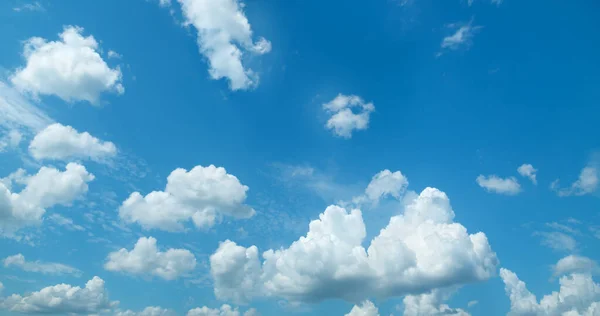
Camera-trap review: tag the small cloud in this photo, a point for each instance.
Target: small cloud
(472, 303)
(114, 55)
(586, 183)
(557, 241)
(575, 264)
(34, 6)
(493, 183)
(65, 222)
(348, 113)
(564, 228)
(528, 171)
(462, 38)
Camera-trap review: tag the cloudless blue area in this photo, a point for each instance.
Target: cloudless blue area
(525, 91)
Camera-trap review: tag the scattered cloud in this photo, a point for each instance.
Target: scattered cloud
(47, 188)
(224, 310)
(62, 299)
(558, 241)
(148, 311)
(462, 38)
(59, 142)
(114, 55)
(12, 139)
(65, 222)
(527, 170)
(575, 264)
(204, 194)
(146, 259)
(472, 303)
(493, 183)
(578, 295)
(418, 251)
(70, 68)
(18, 261)
(586, 183)
(367, 308)
(348, 113)
(33, 6)
(431, 304)
(564, 228)
(224, 37)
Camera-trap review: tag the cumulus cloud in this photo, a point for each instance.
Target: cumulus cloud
(148, 311)
(18, 261)
(578, 295)
(62, 299)
(348, 113)
(146, 259)
(386, 183)
(47, 188)
(493, 183)
(225, 310)
(431, 304)
(203, 195)
(224, 37)
(586, 183)
(575, 264)
(70, 68)
(11, 139)
(527, 170)
(59, 142)
(418, 251)
(367, 308)
(461, 38)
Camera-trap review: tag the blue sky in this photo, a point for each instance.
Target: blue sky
(172, 154)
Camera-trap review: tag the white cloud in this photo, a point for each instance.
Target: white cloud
(204, 195)
(113, 54)
(62, 299)
(493, 183)
(367, 308)
(527, 170)
(225, 310)
(386, 183)
(418, 251)
(33, 6)
(575, 264)
(65, 222)
(224, 36)
(17, 113)
(431, 304)
(472, 303)
(148, 311)
(586, 183)
(146, 259)
(37, 266)
(558, 241)
(47, 188)
(70, 68)
(344, 120)
(61, 142)
(462, 38)
(578, 295)
(12, 139)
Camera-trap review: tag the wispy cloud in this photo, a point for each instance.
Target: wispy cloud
(33, 6)
(462, 38)
(18, 261)
(586, 183)
(557, 241)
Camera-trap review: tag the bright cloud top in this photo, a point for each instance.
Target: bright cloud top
(493, 183)
(575, 264)
(367, 308)
(71, 68)
(47, 188)
(203, 194)
(146, 259)
(18, 261)
(527, 170)
(431, 304)
(62, 299)
(348, 113)
(224, 310)
(418, 251)
(59, 142)
(578, 295)
(224, 35)
(148, 311)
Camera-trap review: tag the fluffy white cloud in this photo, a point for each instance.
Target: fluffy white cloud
(575, 264)
(19, 261)
(418, 251)
(578, 295)
(367, 308)
(11, 139)
(344, 120)
(71, 68)
(146, 259)
(527, 170)
(431, 304)
(203, 194)
(225, 310)
(493, 183)
(386, 183)
(61, 142)
(586, 183)
(47, 188)
(462, 38)
(62, 299)
(148, 311)
(224, 35)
